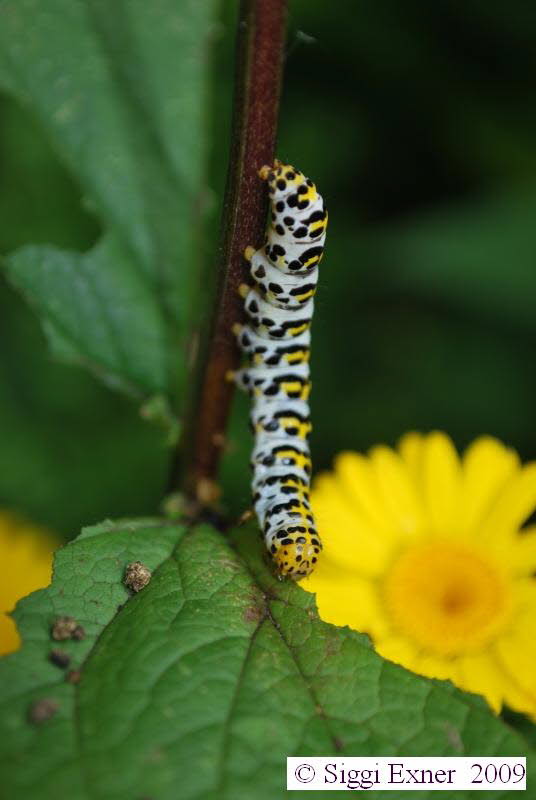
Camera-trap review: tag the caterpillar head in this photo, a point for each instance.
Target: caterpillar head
(287, 182)
(295, 549)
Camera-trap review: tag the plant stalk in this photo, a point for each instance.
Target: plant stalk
(259, 51)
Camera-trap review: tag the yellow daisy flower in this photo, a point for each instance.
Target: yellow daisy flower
(26, 553)
(424, 551)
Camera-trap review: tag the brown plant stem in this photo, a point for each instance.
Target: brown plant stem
(260, 44)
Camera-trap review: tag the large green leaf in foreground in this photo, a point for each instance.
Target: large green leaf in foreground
(119, 87)
(200, 685)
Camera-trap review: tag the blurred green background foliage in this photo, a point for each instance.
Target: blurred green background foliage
(417, 123)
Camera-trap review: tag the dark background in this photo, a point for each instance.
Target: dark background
(417, 121)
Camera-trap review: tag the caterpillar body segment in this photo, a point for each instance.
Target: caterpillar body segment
(287, 382)
(289, 452)
(280, 479)
(268, 497)
(283, 418)
(293, 258)
(276, 340)
(265, 352)
(303, 226)
(279, 512)
(280, 289)
(277, 323)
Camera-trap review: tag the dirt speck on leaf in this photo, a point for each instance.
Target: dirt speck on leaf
(137, 576)
(339, 744)
(63, 628)
(333, 645)
(256, 609)
(453, 737)
(79, 633)
(59, 658)
(42, 710)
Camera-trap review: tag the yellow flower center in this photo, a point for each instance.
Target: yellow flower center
(446, 597)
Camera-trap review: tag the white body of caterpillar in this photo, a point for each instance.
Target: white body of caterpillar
(276, 340)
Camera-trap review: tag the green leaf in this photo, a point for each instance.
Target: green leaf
(201, 684)
(71, 450)
(120, 90)
(70, 292)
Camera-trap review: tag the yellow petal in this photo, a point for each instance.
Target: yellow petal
(344, 599)
(441, 482)
(9, 635)
(26, 555)
(410, 447)
(483, 673)
(398, 649)
(348, 537)
(518, 700)
(26, 558)
(402, 651)
(443, 669)
(517, 658)
(398, 492)
(515, 503)
(359, 482)
(514, 695)
(487, 465)
(521, 558)
(480, 673)
(516, 648)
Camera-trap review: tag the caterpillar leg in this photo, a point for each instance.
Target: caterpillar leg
(242, 378)
(266, 170)
(244, 517)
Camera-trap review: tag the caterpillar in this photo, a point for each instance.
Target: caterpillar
(276, 340)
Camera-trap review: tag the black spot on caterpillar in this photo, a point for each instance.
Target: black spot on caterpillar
(276, 341)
